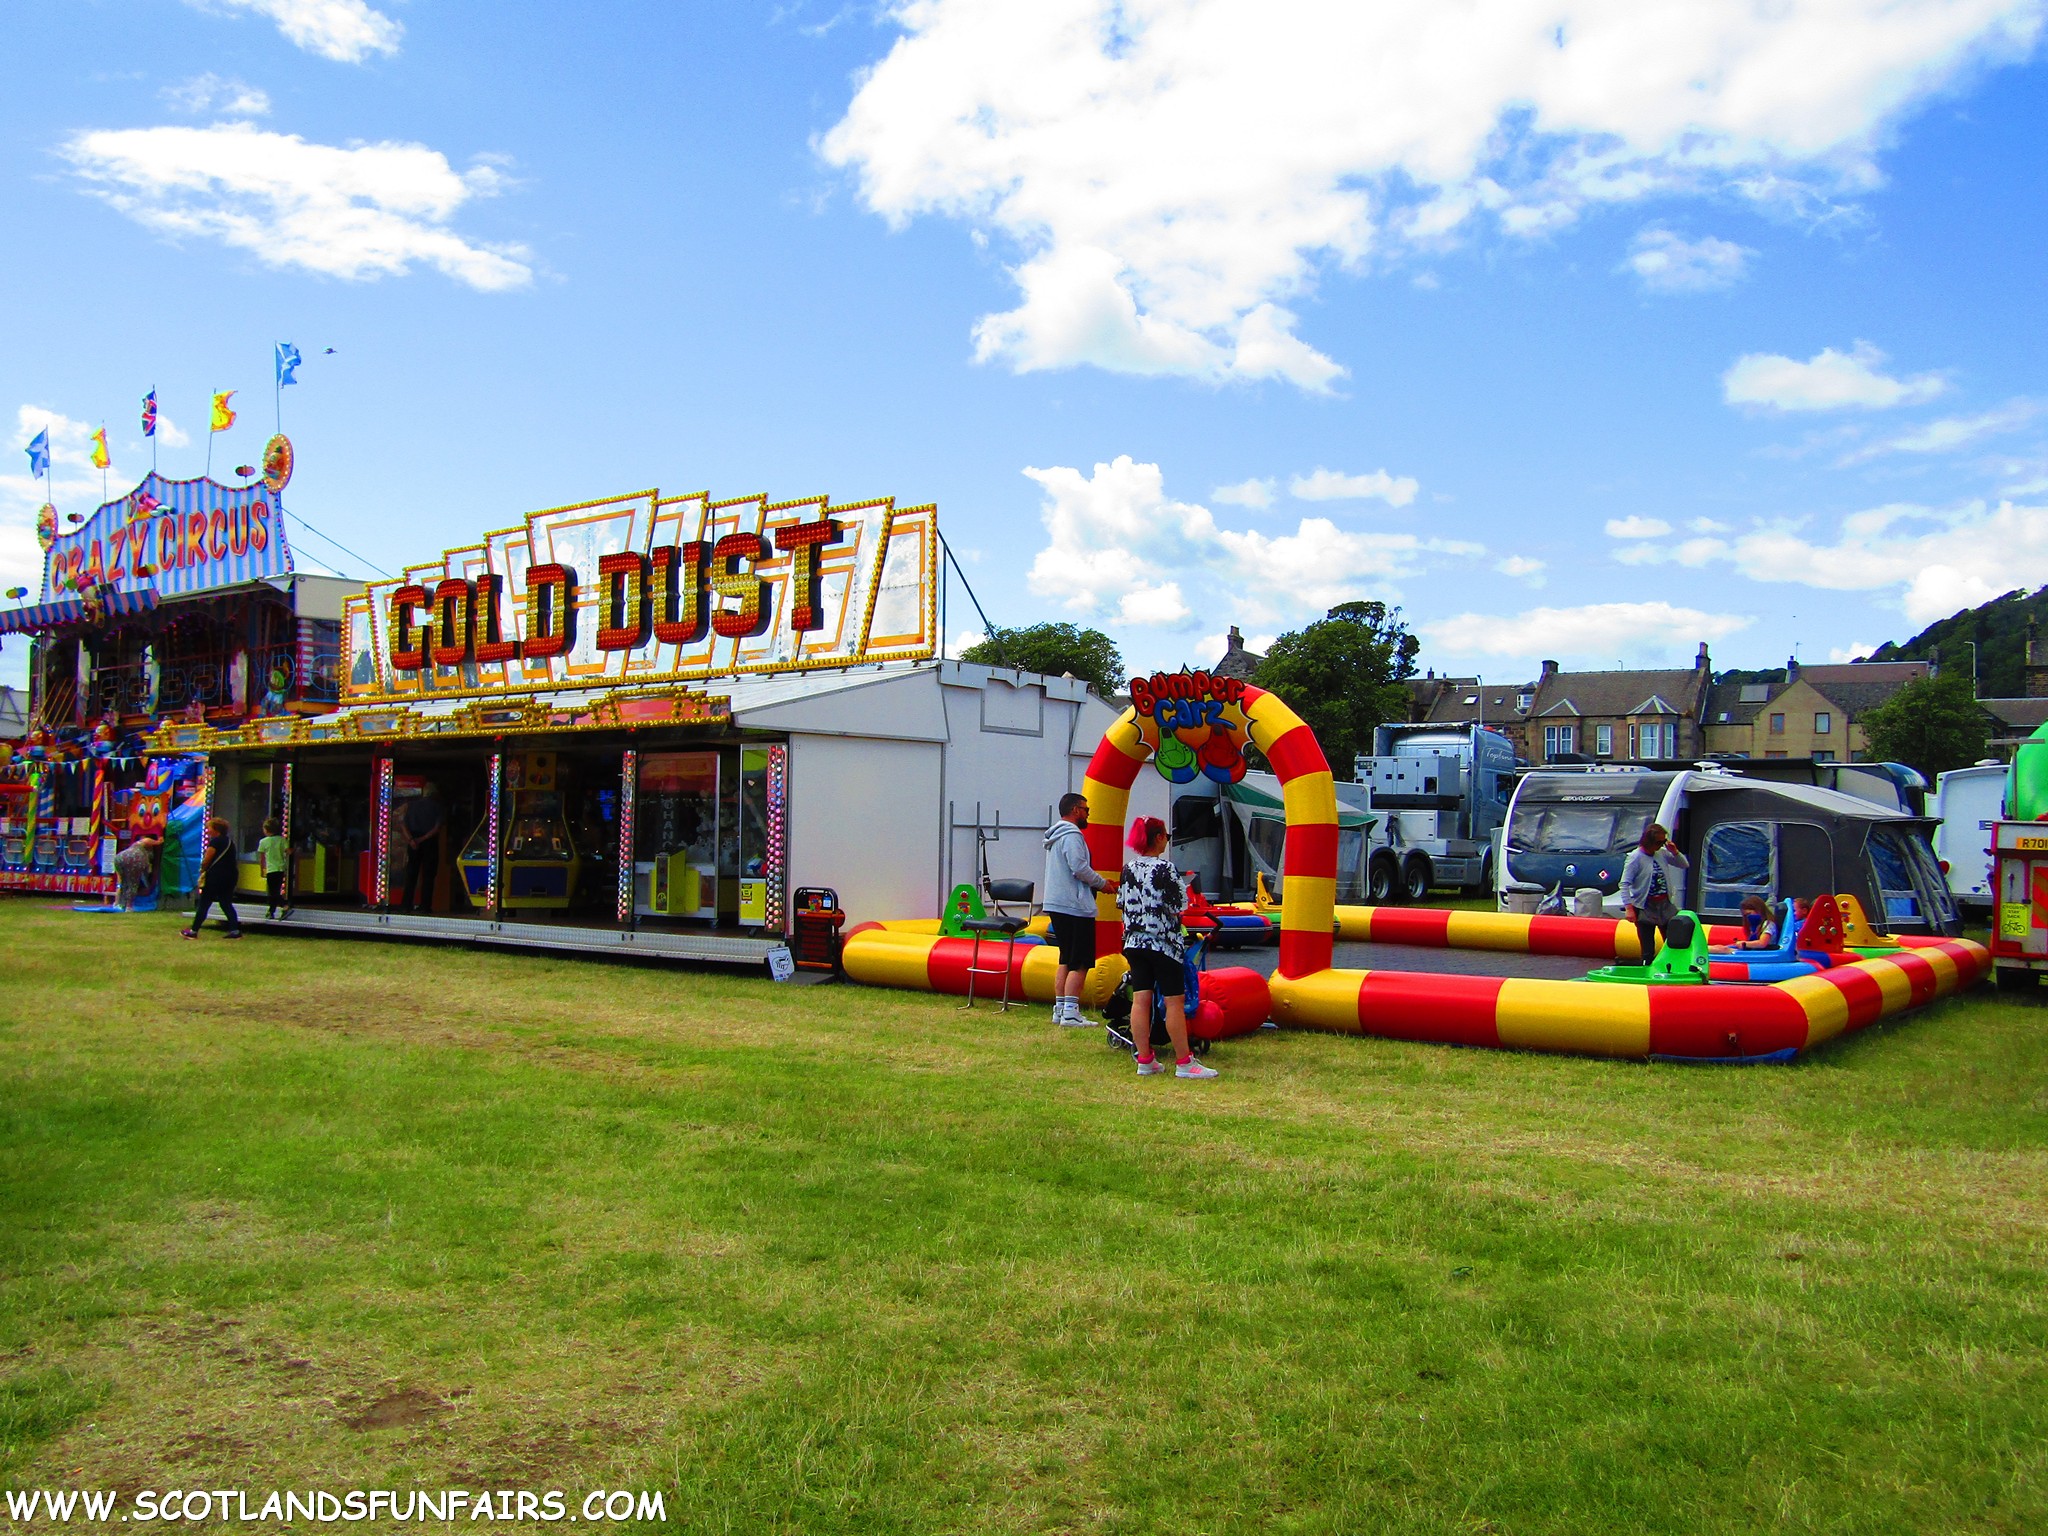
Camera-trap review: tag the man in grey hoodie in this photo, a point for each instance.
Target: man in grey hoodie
(1070, 887)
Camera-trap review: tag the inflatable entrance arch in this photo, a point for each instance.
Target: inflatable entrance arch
(1220, 712)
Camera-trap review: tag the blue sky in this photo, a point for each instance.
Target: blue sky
(1580, 330)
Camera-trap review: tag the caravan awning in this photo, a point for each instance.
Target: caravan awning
(1258, 801)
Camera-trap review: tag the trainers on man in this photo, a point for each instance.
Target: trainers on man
(1151, 1068)
(1193, 1068)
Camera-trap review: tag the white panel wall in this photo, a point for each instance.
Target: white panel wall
(862, 820)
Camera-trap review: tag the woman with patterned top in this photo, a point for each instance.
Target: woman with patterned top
(1152, 898)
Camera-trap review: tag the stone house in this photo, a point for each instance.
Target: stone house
(1621, 715)
(1809, 711)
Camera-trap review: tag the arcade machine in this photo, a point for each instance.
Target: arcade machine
(540, 865)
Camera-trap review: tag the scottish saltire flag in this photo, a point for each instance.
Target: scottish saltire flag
(287, 364)
(100, 457)
(39, 453)
(223, 416)
(149, 414)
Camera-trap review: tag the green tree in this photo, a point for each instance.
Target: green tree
(1054, 649)
(1933, 724)
(1343, 675)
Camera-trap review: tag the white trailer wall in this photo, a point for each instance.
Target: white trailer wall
(861, 821)
(1016, 742)
(890, 775)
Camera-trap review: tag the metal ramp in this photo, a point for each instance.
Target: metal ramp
(552, 938)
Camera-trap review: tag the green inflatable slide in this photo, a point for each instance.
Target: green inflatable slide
(2026, 782)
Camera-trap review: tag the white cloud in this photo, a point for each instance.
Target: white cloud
(1601, 633)
(1854, 652)
(211, 93)
(1827, 381)
(1669, 263)
(1246, 493)
(76, 488)
(1689, 552)
(1633, 527)
(1171, 172)
(347, 31)
(1330, 485)
(360, 212)
(1118, 548)
(1707, 525)
(170, 434)
(1949, 433)
(1934, 561)
(1523, 568)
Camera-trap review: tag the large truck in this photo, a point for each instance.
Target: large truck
(1441, 792)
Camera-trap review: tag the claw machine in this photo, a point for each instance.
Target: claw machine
(677, 826)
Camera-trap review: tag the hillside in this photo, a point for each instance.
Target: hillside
(1999, 628)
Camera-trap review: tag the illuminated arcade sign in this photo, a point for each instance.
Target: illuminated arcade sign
(642, 588)
(177, 536)
(1194, 722)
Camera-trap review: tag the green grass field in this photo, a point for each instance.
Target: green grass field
(316, 1214)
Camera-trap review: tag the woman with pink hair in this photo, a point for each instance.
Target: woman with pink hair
(1152, 898)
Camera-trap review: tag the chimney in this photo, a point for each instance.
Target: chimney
(1791, 670)
(1549, 670)
(1700, 663)
(2035, 671)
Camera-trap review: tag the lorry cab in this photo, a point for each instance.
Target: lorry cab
(1441, 792)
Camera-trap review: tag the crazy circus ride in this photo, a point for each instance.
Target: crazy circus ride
(1709, 1021)
(181, 599)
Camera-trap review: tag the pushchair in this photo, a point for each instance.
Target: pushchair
(1116, 1008)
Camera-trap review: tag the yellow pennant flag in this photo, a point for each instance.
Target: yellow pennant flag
(100, 460)
(223, 418)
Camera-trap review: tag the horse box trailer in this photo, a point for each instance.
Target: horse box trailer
(1440, 791)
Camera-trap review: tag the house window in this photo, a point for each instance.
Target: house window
(1603, 741)
(1823, 723)
(1823, 757)
(1777, 725)
(1653, 740)
(1557, 740)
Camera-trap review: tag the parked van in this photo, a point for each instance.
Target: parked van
(1968, 802)
(1232, 834)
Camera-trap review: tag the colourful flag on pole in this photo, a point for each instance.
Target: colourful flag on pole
(223, 418)
(287, 364)
(149, 414)
(39, 454)
(100, 457)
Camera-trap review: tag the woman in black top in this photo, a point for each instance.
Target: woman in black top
(219, 872)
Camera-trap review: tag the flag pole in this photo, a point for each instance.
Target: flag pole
(103, 467)
(209, 440)
(152, 434)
